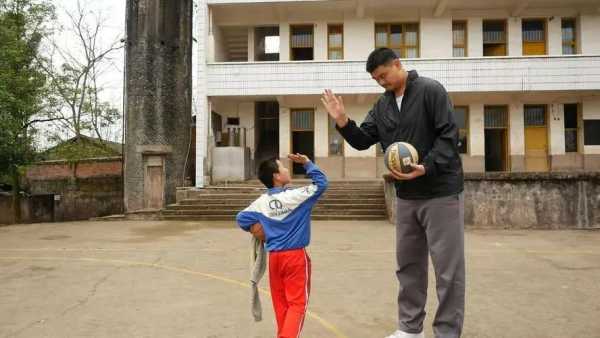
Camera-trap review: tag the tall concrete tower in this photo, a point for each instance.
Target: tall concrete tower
(158, 89)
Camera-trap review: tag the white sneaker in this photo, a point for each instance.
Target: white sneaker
(402, 334)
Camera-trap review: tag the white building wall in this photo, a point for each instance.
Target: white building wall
(358, 112)
(556, 125)
(203, 106)
(251, 44)
(359, 38)
(476, 137)
(321, 132)
(284, 132)
(517, 128)
(320, 36)
(515, 37)
(554, 36)
(475, 37)
(284, 41)
(436, 37)
(590, 34)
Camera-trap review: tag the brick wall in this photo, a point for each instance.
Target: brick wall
(62, 191)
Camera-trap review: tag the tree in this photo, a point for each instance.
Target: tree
(22, 85)
(74, 72)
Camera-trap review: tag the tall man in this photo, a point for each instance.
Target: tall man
(430, 212)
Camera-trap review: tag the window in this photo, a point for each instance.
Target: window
(401, 38)
(534, 36)
(535, 116)
(494, 38)
(569, 36)
(461, 115)
(459, 38)
(302, 120)
(301, 43)
(233, 121)
(571, 127)
(335, 42)
(591, 132)
(496, 117)
(267, 43)
(336, 141)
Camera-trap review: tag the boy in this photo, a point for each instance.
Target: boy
(282, 216)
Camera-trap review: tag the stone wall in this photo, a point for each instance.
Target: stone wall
(525, 200)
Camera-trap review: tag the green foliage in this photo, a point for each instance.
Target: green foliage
(22, 80)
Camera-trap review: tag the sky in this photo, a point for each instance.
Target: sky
(113, 14)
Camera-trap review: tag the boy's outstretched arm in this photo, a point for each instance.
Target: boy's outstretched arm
(317, 176)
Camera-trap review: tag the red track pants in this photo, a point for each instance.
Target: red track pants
(289, 277)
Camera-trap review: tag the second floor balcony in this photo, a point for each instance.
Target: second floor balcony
(489, 74)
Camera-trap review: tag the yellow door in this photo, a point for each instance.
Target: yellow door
(536, 148)
(494, 50)
(534, 48)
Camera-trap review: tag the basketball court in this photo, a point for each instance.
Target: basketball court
(190, 279)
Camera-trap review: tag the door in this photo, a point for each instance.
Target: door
(303, 136)
(496, 138)
(536, 138)
(154, 189)
(534, 37)
(495, 150)
(266, 131)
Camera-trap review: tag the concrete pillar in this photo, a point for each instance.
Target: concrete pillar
(554, 36)
(203, 106)
(517, 136)
(589, 28)
(320, 39)
(251, 43)
(556, 126)
(436, 37)
(284, 41)
(158, 94)
(474, 161)
(359, 38)
(246, 115)
(515, 37)
(285, 135)
(321, 133)
(475, 37)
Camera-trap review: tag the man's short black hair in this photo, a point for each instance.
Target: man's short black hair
(379, 57)
(266, 169)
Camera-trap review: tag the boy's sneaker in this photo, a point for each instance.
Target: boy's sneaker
(402, 334)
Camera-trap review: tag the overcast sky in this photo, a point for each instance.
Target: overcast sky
(113, 13)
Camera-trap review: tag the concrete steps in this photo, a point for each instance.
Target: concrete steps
(343, 200)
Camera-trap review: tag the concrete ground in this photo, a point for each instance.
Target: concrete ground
(184, 279)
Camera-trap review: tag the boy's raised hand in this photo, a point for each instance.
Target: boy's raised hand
(298, 158)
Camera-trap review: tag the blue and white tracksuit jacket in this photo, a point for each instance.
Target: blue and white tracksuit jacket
(284, 213)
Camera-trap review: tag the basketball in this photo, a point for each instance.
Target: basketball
(400, 155)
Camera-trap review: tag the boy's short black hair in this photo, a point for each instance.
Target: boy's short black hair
(380, 57)
(266, 169)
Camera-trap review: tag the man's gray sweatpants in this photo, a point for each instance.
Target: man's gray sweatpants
(434, 226)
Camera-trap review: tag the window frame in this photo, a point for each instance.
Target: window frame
(402, 46)
(329, 48)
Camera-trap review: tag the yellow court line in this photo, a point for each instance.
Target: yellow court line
(337, 333)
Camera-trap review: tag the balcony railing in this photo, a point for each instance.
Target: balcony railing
(503, 74)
